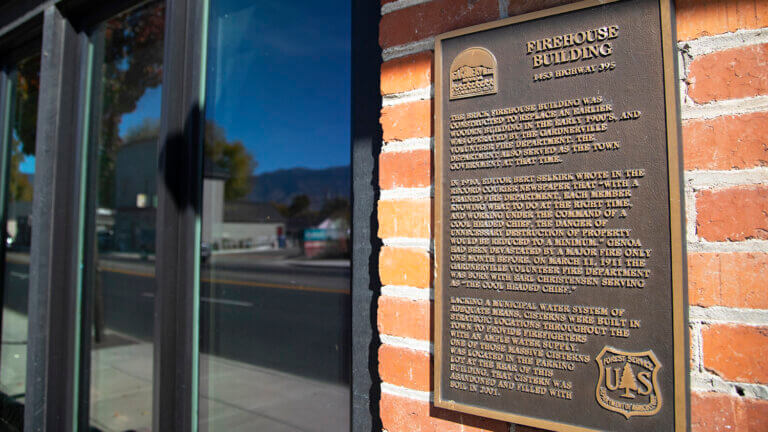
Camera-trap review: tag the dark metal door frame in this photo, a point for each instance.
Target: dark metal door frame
(59, 328)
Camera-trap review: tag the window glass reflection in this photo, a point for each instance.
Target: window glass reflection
(275, 308)
(19, 189)
(122, 206)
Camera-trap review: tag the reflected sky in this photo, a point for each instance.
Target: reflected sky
(27, 166)
(284, 65)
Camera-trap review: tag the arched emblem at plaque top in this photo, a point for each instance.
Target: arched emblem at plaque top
(474, 72)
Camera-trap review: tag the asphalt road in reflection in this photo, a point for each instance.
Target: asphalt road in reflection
(289, 315)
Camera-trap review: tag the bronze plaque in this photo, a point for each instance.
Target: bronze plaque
(559, 270)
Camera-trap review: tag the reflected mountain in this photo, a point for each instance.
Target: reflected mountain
(319, 185)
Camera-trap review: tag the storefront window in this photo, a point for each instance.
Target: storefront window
(122, 207)
(19, 173)
(275, 273)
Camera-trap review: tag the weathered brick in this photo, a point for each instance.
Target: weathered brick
(736, 352)
(717, 412)
(404, 218)
(524, 6)
(712, 412)
(730, 74)
(728, 279)
(727, 142)
(404, 266)
(405, 169)
(697, 18)
(407, 73)
(735, 214)
(432, 18)
(407, 120)
(405, 318)
(405, 367)
(754, 415)
(399, 414)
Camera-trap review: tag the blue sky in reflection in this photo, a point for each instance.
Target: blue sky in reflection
(278, 80)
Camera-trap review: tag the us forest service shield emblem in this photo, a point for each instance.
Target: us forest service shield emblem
(628, 382)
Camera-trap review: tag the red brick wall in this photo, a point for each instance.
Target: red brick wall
(724, 95)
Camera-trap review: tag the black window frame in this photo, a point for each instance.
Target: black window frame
(59, 311)
(16, 46)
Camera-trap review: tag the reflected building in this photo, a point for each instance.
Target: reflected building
(19, 224)
(230, 225)
(135, 199)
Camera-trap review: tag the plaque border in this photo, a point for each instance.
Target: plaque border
(681, 399)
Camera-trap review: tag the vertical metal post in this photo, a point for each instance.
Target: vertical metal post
(366, 144)
(54, 291)
(179, 179)
(6, 112)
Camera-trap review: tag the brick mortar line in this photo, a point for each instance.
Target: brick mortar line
(406, 194)
(728, 107)
(415, 95)
(407, 292)
(503, 9)
(725, 247)
(690, 214)
(409, 48)
(400, 4)
(721, 179)
(728, 315)
(682, 76)
(405, 392)
(424, 244)
(407, 145)
(711, 44)
(705, 382)
(696, 346)
(407, 343)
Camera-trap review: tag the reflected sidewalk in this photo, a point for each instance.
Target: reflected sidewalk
(241, 396)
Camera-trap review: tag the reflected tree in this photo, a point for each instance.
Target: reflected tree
(232, 157)
(19, 184)
(132, 63)
(24, 127)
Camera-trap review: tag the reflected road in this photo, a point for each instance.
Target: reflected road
(289, 315)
